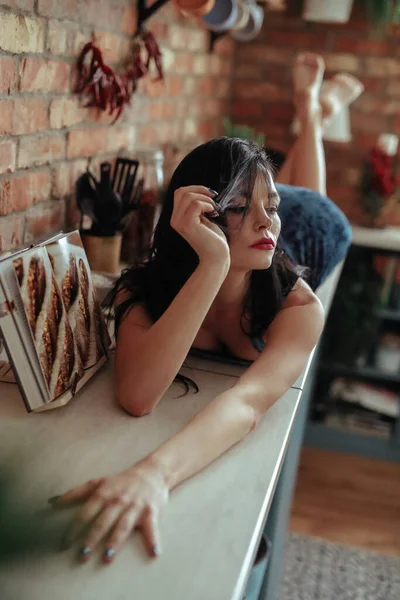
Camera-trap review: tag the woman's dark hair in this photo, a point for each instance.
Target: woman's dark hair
(229, 166)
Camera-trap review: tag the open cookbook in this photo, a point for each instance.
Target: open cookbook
(50, 322)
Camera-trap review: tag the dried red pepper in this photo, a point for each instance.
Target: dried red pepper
(107, 90)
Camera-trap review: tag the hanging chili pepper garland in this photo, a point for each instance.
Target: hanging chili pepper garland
(105, 89)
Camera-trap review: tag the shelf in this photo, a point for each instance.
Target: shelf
(319, 435)
(388, 314)
(362, 373)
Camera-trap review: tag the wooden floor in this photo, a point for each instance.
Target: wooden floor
(348, 499)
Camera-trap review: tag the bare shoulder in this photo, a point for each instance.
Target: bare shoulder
(301, 295)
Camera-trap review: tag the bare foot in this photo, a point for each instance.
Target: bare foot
(308, 72)
(338, 92)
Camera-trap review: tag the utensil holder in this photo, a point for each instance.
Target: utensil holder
(103, 253)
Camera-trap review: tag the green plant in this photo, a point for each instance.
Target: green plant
(242, 131)
(383, 12)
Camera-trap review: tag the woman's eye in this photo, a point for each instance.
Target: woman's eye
(237, 209)
(272, 209)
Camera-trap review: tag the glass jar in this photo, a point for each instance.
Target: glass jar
(139, 234)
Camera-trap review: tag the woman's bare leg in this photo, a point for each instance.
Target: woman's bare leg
(305, 164)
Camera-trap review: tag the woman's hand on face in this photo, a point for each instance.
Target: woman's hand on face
(188, 218)
(114, 506)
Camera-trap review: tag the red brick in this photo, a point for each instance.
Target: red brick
(298, 39)
(20, 33)
(383, 67)
(342, 62)
(8, 151)
(363, 123)
(61, 9)
(6, 116)
(57, 38)
(364, 140)
(259, 53)
(8, 75)
(30, 115)
(377, 106)
(107, 16)
(11, 231)
(223, 88)
(129, 20)
(205, 86)
(20, 192)
(22, 4)
(260, 90)
(160, 30)
(198, 40)
(249, 71)
(67, 111)
(183, 63)
(174, 85)
(44, 220)
(362, 47)
(246, 108)
(65, 176)
(279, 111)
(40, 149)
(393, 88)
(372, 84)
(92, 141)
(178, 37)
(38, 75)
(23, 115)
(396, 128)
(110, 44)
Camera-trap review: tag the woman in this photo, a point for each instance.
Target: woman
(216, 280)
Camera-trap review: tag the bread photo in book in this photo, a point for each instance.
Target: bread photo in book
(72, 274)
(48, 320)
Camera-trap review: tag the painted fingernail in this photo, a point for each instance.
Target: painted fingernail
(213, 192)
(84, 553)
(108, 554)
(155, 550)
(53, 499)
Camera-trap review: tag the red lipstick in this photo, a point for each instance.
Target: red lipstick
(264, 244)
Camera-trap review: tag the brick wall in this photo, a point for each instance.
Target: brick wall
(46, 138)
(262, 91)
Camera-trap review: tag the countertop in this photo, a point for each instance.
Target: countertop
(211, 527)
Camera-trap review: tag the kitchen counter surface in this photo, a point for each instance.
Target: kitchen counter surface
(211, 527)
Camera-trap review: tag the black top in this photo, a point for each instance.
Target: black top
(225, 356)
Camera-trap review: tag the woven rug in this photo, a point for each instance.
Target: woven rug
(316, 569)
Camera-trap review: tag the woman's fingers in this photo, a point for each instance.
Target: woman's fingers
(122, 531)
(102, 525)
(81, 492)
(83, 517)
(151, 533)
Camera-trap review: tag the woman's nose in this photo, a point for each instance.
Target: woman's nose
(263, 220)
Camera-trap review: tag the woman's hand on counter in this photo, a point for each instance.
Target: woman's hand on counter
(114, 506)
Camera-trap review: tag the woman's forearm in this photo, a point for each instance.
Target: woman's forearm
(212, 431)
(142, 379)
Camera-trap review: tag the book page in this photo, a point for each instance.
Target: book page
(19, 350)
(47, 319)
(74, 279)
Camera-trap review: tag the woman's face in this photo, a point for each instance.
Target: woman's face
(261, 221)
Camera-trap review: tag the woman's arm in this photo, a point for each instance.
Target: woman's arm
(115, 505)
(234, 413)
(145, 366)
